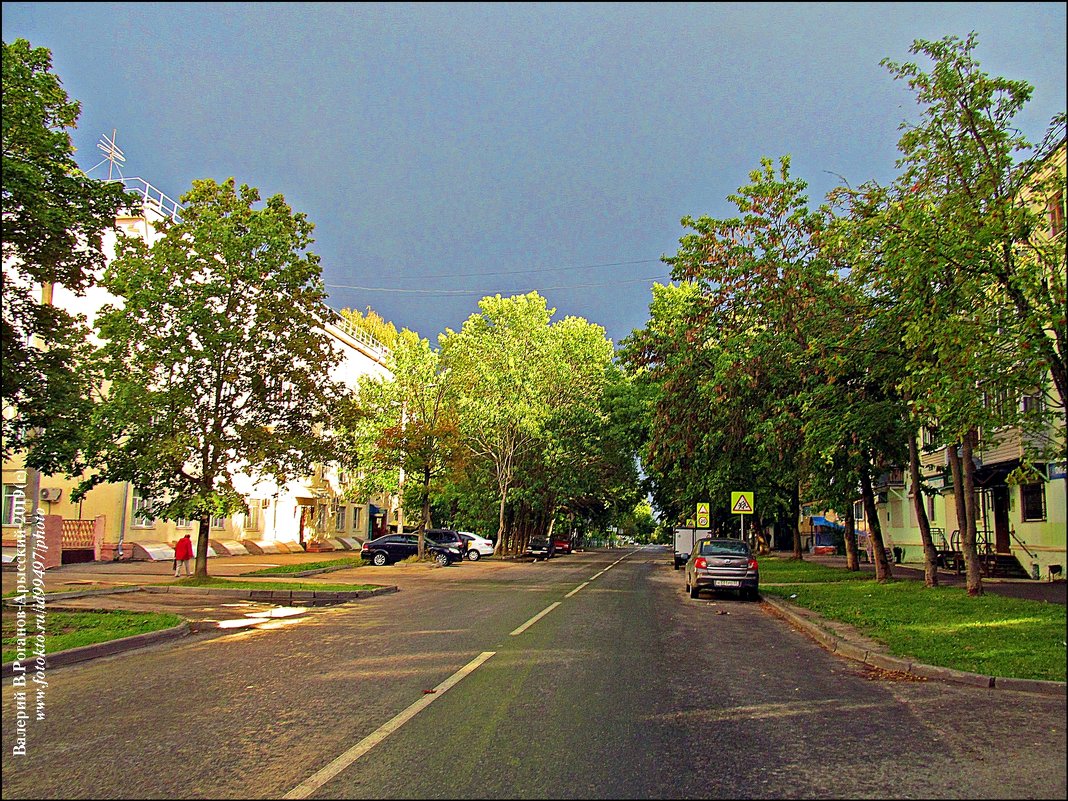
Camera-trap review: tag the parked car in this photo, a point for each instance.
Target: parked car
(562, 543)
(447, 538)
(722, 564)
(394, 547)
(477, 546)
(541, 547)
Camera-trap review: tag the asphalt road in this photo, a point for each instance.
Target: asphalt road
(622, 688)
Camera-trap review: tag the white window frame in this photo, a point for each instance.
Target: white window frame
(341, 517)
(9, 504)
(136, 520)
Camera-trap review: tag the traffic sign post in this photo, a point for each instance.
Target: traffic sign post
(742, 504)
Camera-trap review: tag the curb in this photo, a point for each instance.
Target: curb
(304, 573)
(803, 619)
(96, 650)
(63, 596)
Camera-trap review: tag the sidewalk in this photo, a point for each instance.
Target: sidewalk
(1055, 592)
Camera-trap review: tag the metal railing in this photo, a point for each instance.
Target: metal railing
(153, 198)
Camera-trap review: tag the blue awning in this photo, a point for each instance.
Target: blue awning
(823, 521)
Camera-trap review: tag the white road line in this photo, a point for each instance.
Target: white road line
(321, 777)
(535, 619)
(579, 587)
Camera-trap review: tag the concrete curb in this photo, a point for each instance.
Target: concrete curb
(96, 650)
(62, 596)
(806, 620)
(304, 573)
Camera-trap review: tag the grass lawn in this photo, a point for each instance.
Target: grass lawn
(65, 630)
(992, 635)
(237, 584)
(281, 570)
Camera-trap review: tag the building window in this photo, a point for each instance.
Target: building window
(1056, 214)
(340, 519)
(320, 518)
(217, 521)
(140, 517)
(858, 510)
(356, 519)
(252, 519)
(9, 504)
(183, 522)
(1033, 501)
(931, 508)
(1032, 404)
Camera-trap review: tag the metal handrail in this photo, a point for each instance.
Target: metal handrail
(1021, 544)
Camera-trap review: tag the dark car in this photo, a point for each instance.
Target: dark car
(541, 547)
(395, 547)
(722, 564)
(448, 538)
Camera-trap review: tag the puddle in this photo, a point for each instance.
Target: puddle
(280, 611)
(273, 618)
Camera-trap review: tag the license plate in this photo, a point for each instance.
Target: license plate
(722, 583)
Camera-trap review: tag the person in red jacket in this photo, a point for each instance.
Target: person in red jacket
(183, 555)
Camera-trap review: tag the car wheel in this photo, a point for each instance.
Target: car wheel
(694, 592)
(442, 559)
(473, 555)
(379, 559)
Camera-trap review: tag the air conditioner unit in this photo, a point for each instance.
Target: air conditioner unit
(50, 494)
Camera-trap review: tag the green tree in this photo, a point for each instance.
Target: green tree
(495, 360)
(956, 246)
(215, 361)
(53, 222)
(409, 426)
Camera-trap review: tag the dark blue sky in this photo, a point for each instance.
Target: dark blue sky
(441, 149)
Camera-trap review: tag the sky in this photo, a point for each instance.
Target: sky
(449, 151)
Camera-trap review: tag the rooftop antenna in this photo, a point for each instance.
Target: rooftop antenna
(113, 155)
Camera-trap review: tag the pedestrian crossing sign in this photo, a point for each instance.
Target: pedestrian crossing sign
(741, 503)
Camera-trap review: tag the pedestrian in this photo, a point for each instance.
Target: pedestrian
(183, 555)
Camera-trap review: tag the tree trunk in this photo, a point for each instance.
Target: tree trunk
(501, 529)
(850, 536)
(958, 491)
(204, 524)
(795, 516)
(930, 556)
(875, 530)
(968, 535)
(424, 515)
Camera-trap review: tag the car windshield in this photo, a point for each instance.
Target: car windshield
(724, 548)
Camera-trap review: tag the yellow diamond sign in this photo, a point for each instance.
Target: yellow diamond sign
(741, 503)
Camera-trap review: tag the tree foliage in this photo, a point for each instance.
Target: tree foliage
(214, 361)
(53, 223)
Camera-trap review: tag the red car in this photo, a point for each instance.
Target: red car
(562, 544)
